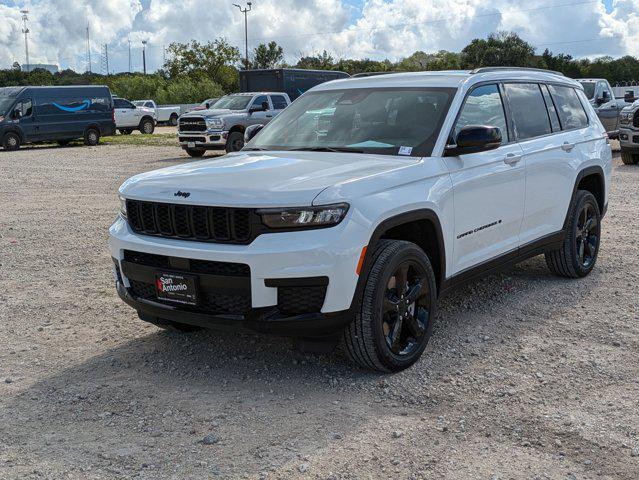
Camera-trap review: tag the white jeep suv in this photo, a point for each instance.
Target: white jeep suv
(365, 201)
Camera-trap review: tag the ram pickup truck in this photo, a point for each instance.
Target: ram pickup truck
(223, 125)
(601, 97)
(162, 114)
(629, 134)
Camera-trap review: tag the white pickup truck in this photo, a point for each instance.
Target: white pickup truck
(162, 114)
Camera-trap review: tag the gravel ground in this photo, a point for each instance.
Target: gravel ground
(526, 376)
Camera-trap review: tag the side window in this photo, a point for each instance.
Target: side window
(552, 111)
(148, 105)
(279, 102)
(571, 112)
(25, 107)
(258, 101)
(530, 116)
(483, 106)
(118, 103)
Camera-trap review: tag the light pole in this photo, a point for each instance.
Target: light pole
(144, 56)
(25, 30)
(245, 10)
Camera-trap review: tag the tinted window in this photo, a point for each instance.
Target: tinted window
(528, 109)
(119, 103)
(279, 102)
(390, 121)
(552, 111)
(589, 89)
(149, 104)
(258, 101)
(571, 111)
(483, 107)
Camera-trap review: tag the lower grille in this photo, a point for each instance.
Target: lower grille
(194, 266)
(635, 139)
(193, 139)
(299, 300)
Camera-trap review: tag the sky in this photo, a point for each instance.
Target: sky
(375, 29)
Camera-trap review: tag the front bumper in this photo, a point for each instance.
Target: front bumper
(203, 140)
(629, 138)
(276, 261)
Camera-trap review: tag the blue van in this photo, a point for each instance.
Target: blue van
(60, 114)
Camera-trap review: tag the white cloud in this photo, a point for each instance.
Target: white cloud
(384, 29)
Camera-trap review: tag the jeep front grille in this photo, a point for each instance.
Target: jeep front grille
(194, 222)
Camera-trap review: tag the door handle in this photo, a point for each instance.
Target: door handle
(567, 146)
(512, 159)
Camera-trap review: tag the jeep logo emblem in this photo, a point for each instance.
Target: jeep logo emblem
(182, 194)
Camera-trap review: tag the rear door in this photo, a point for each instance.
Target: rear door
(488, 186)
(549, 136)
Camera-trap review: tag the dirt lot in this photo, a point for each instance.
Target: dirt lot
(527, 375)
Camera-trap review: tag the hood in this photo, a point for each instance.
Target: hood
(213, 112)
(258, 179)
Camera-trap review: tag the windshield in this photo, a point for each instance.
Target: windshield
(233, 102)
(589, 89)
(5, 104)
(391, 121)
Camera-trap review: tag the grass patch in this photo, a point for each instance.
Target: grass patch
(154, 140)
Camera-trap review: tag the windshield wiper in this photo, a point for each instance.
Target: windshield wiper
(253, 149)
(327, 149)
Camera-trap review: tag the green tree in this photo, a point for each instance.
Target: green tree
(322, 61)
(267, 56)
(499, 49)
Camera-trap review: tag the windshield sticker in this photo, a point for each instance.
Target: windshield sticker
(405, 150)
(370, 144)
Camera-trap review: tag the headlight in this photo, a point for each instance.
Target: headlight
(214, 122)
(625, 117)
(123, 207)
(304, 217)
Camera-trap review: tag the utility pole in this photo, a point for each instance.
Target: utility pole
(88, 45)
(245, 10)
(129, 55)
(25, 30)
(144, 56)
(105, 59)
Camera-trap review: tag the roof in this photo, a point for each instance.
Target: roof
(448, 78)
(250, 94)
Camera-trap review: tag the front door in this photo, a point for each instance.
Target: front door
(262, 117)
(607, 108)
(26, 119)
(488, 187)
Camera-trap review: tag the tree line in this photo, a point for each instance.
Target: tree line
(195, 71)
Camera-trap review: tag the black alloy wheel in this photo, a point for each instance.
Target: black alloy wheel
(587, 238)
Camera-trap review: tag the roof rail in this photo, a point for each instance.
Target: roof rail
(371, 74)
(524, 69)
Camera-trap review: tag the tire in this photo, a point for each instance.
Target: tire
(384, 314)
(147, 127)
(11, 141)
(125, 131)
(173, 119)
(578, 254)
(235, 142)
(629, 158)
(91, 137)
(194, 153)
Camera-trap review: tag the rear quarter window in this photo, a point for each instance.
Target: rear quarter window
(569, 108)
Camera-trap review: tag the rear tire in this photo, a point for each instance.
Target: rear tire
(173, 119)
(235, 142)
(11, 141)
(147, 127)
(578, 254)
(395, 317)
(194, 153)
(629, 158)
(91, 137)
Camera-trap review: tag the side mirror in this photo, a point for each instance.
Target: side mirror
(629, 97)
(207, 105)
(475, 139)
(265, 106)
(251, 131)
(16, 115)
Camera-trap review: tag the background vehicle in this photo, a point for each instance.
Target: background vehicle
(223, 125)
(129, 117)
(294, 82)
(364, 202)
(601, 97)
(62, 114)
(205, 105)
(162, 114)
(629, 134)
